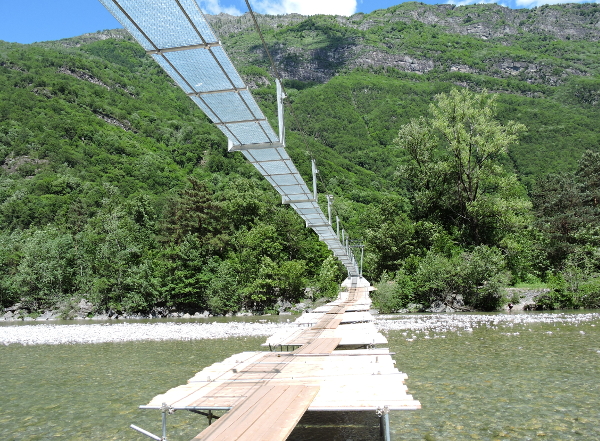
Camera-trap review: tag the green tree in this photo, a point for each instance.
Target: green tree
(44, 276)
(454, 167)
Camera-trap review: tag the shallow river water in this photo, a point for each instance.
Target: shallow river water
(529, 377)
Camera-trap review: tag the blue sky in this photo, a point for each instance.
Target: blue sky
(28, 21)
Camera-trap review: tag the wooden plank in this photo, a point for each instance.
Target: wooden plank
(285, 421)
(319, 346)
(245, 412)
(333, 323)
(270, 407)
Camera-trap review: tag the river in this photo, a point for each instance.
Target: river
(478, 376)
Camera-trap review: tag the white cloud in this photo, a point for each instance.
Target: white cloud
(214, 7)
(306, 7)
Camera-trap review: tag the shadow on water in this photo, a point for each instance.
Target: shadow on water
(511, 381)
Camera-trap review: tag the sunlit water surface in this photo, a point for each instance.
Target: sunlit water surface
(527, 381)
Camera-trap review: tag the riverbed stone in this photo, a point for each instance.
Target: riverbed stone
(14, 307)
(47, 315)
(437, 307)
(186, 316)
(282, 305)
(85, 307)
(101, 316)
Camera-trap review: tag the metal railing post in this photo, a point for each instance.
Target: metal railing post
(280, 97)
(164, 409)
(362, 256)
(314, 173)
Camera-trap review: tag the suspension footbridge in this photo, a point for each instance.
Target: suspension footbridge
(332, 360)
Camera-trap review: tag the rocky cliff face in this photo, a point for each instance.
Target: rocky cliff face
(569, 21)
(492, 24)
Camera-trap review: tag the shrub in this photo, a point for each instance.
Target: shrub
(393, 295)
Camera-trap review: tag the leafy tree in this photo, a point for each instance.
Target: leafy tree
(568, 209)
(455, 171)
(45, 273)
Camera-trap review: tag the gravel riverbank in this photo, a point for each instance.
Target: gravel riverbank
(418, 324)
(441, 323)
(49, 334)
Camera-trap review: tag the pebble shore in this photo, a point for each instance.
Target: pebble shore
(440, 323)
(50, 334)
(53, 334)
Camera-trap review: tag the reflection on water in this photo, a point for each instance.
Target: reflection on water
(527, 381)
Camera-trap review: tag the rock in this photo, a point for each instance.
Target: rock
(301, 307)
(206, 314)
(437, 306)
(186, 316)
(8, 315)
(28, 319)
(48, 315)
(282, 305)
(458, 302)
(102, 316)
(197, 315)
(15, 307)
(414, 307)
(285, 313)
(244, 314)
(85, 307)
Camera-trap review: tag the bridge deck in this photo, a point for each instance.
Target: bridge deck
(268, 392)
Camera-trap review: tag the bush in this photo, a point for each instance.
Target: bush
(482, 277)
(393, 295)
(224, 293)
(589, 293)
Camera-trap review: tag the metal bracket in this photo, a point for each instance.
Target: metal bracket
(208, 415)
(382, 411)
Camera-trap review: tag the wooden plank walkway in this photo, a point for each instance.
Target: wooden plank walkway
(269, 414)
(268, 392)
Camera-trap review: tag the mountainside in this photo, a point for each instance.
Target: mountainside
(542, 45)
(544, 61)
(114, 187)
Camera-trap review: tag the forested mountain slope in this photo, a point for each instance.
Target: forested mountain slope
(114, 187)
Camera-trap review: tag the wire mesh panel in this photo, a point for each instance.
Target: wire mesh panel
(176, 34)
